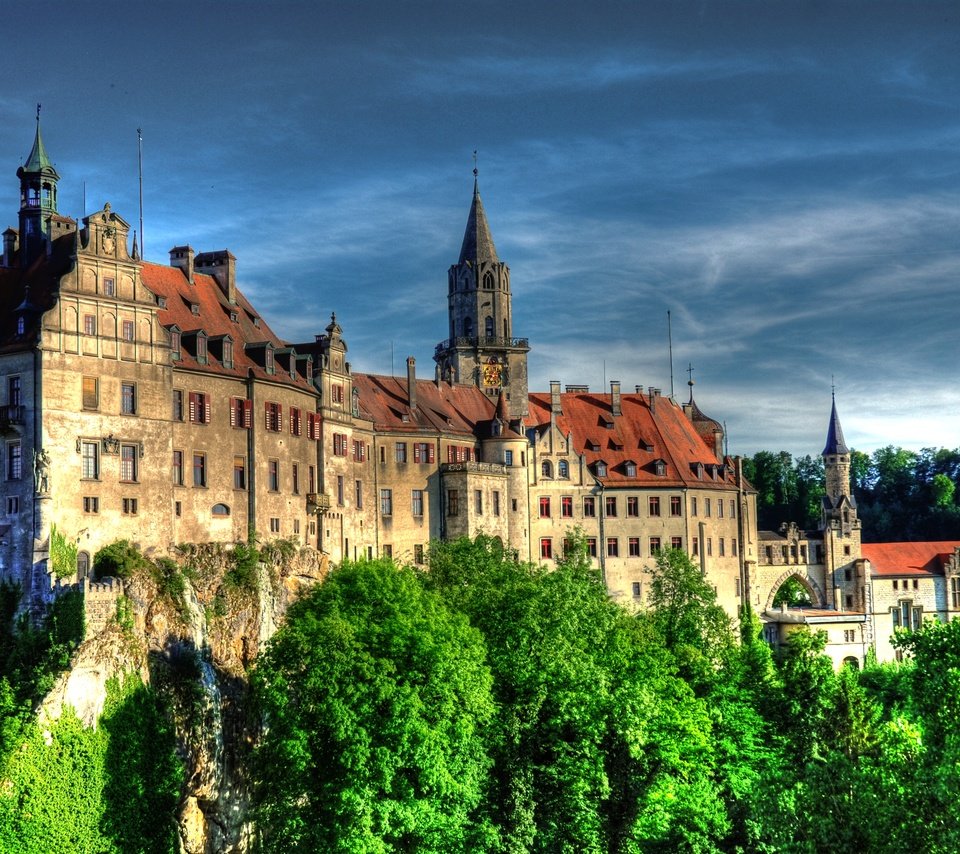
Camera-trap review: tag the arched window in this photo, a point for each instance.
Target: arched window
(83, 565)
(601, 469)
(220, 510)
(489, 327)
(546, 469)
(488, 280)
(852, 661)
(563, 469)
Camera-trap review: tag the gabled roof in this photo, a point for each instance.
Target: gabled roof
(893, 560)
(665, 430)
(445, 408)
(213, 317)
(477, 244)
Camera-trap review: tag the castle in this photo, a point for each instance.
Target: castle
(153, 403)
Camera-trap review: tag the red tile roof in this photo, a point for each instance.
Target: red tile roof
(213, 317)
(899, 559)
(444, 408)
(640, 435)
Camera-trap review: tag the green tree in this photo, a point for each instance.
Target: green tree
(375, 698)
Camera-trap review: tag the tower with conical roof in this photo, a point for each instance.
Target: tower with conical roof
(38, 199)
(481, 349)
(836, 463)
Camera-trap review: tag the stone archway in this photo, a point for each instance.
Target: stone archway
(811, 586)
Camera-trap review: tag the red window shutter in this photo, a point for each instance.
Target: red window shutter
(233, 411)
(266, 415)
(430, 456)
(248, 414)
(206, 408)
(193, 406)
(279, 418)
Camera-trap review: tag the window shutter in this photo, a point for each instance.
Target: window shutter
(279, 418)
(193, 406)
(233, 411)
(248, 414)
(206, 409)
(430, 456)
(266, 415)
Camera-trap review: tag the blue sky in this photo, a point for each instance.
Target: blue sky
(784, 178)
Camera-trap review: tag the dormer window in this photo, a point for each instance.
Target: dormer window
(227, 353)
(234, 317)
(659, 468)
(162, 302)
(698, 470)
(268, 361)
(608, 425)
(601, 468)
(256, 322)
(630, 469)
(201, 348)
(175, 343)
(195, 308)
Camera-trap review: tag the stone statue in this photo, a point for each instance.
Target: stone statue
(41, 471)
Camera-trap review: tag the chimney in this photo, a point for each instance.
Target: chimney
(182, 257)
(556, 408)
(9, 246)
(653, 394)
(223, 267)
(638, 389)
(615, 397)
(412, 382)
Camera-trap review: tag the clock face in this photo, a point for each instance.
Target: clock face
(492, 373)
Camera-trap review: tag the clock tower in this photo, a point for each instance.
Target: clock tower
(481, 349)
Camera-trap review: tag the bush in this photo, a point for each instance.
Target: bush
(120, 559)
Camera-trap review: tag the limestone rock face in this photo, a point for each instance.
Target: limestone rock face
(192, 636)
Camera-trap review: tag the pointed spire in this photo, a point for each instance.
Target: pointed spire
(503, 413)
(477, 240)
(835, 442)
(136, 251)
(37, 159)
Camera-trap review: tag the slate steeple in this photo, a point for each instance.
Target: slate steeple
(835, 442)
(838, 502)
(477, 244)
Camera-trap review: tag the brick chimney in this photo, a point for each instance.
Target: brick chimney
(412, 382)
(615, 397)
(182, 257)
(556, 408)
(9, 246)
(222, 265)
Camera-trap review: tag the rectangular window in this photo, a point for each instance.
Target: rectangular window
(274, 524)
(611, 505)
(311, 479)
(592, 546)
(676, 542)
(91, 504)
(496, 502)
(340, 501)
(654, 545)
(719, 508)
(566, 506)
(126, 330)
(416, 502)
(589, 506)
(239, 472)
(733, 508)
(359, 451)
(199, 469)
(273, 416)
(340, 444)
(654, 505)
(508, 458)
(423, 452)
(478, 502)
(635, 588)
(90, 456)
(388, 551)
(336, 393)
(733, 547)
(91, 393)
(241, 413)
(706, 507)
(109, 286)
(613, 547)
(176, 408)
(177, 509)
(633, 547)
(128, 399)
(14, 391)
(418, 553)
(401, 452)
(198, 405)
(544, 506)
(722, 544)
(273, 475)
(296, 421)
(13, 505)
(228, 354)
(386, 502)
(695, 551)
(129, 506)
(709, 547)
(693, 506)
(955, 592)
(358, 493)
(546, 548)
(633, 506)
(176, 468)
(89, 324)
(128, 463)
(175, 343)
(14, 461)
(676, 506)
(453, 502)
(295, 478)
(313, 426)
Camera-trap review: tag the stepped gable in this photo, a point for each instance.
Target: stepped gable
(441, 408)
(665, 430)
(913, 559)
(213, 317)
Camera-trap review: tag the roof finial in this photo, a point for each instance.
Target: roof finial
(690, 380)
(38, 112)
(475, 170)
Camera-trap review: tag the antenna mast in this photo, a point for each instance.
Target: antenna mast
(143, 243)
(670, 345)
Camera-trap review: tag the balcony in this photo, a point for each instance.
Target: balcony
(11, 415)
(483, 342)
(474, 468)
(317, 502)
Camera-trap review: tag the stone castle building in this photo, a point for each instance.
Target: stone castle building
(153, 403)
